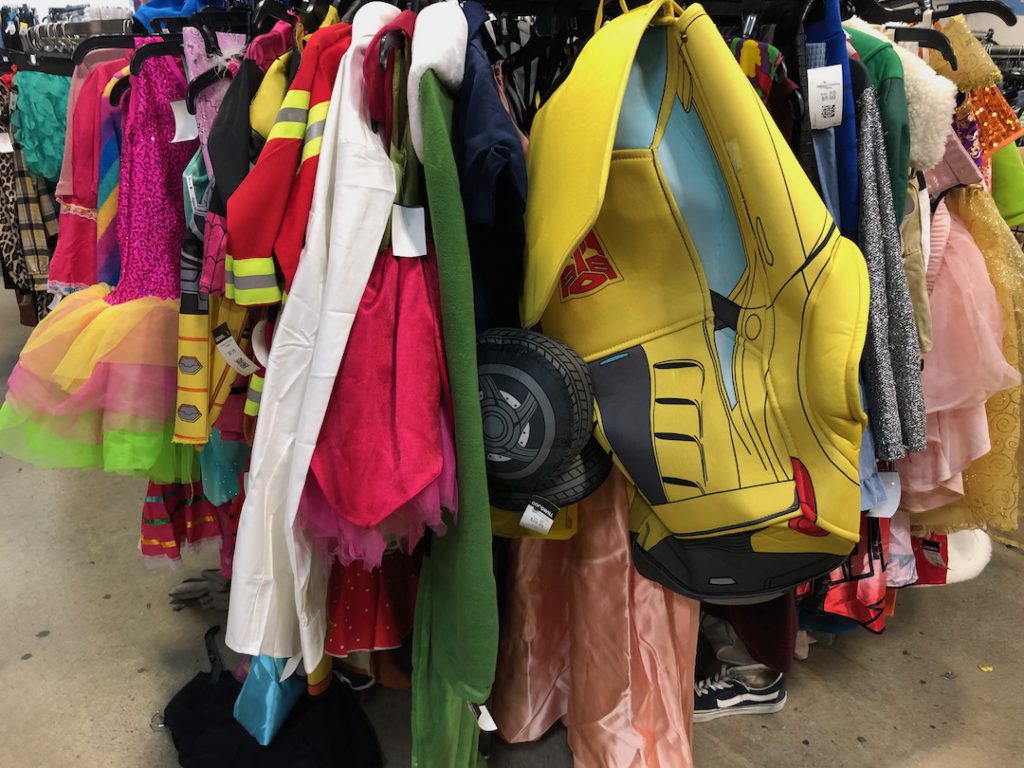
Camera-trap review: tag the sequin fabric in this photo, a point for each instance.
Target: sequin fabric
(965, 125)
(998, 124)
(151, 225)
(892, 355)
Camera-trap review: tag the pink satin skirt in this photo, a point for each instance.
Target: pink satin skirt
(589, 641)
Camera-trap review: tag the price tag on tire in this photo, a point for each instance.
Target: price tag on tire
(539, 515)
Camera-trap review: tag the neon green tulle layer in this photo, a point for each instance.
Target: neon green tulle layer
(125, 452)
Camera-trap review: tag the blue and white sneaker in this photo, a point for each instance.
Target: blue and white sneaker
(738, 691)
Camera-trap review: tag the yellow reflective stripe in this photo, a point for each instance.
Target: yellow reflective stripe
(252, 267)
(296, 99)
(318, 112)
(287, 130)
(312, 148)
(248, 297)
(253, 396)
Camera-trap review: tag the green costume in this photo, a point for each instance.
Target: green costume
(455, 638)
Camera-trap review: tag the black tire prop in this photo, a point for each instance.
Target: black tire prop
(538, 417)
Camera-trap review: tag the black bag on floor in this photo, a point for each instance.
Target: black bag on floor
(324, 731)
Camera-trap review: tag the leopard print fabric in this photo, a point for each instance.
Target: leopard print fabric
(10, 241)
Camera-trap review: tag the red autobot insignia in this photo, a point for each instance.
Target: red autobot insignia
(590, 269)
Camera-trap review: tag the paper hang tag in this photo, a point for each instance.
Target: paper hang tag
(932, 552)
(200, 205)
(290, 666)
(231, 352)
(408, 231)
(6, 145)
(185, 126)
(260, 350)
(893, 492)
(55, 301)
(484, 720)
(539, 515)
(825, 96)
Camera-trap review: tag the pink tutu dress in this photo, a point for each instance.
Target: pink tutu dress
(964, 369)
(94, 387)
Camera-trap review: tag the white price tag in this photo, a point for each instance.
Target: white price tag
(825, 96)
(484, 720)
(185, 126)
(231, 352)
(539, 515)
(6, 145)
(408, 231)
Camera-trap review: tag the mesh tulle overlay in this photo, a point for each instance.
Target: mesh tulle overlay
(94, 389)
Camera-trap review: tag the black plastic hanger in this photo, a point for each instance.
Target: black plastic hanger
(916, 13)
(34, 62)
(10, 59)
(118, 90)
(871, 11)
(314, 12)
(203, 81)
(169, 24)
(100, 42)
(927, 38)
(169, 46)
(271, 9)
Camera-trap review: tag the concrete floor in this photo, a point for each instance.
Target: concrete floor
(89, 651)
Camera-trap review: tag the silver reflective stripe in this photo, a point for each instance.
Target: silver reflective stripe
(315, 131)
(291, 115)
(251, 282)
(254, 396)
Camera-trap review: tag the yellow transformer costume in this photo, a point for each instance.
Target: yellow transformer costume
(677, 245)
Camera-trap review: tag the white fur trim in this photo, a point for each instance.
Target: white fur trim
(931, 99)
(438, 44)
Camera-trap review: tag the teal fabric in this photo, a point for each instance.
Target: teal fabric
(39, 120)
(197, 191)
(266, 700)
(455, 637)
(222, 462)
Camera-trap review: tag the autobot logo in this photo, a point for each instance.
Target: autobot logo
(589, 270)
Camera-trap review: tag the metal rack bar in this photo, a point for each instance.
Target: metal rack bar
(62, 36)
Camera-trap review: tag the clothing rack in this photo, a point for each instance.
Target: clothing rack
(1006, 51)
(61, 37)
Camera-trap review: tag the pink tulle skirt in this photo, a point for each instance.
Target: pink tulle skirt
(964, 369)
(383, 470)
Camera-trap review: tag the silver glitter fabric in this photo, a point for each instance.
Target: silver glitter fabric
(891, 363)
